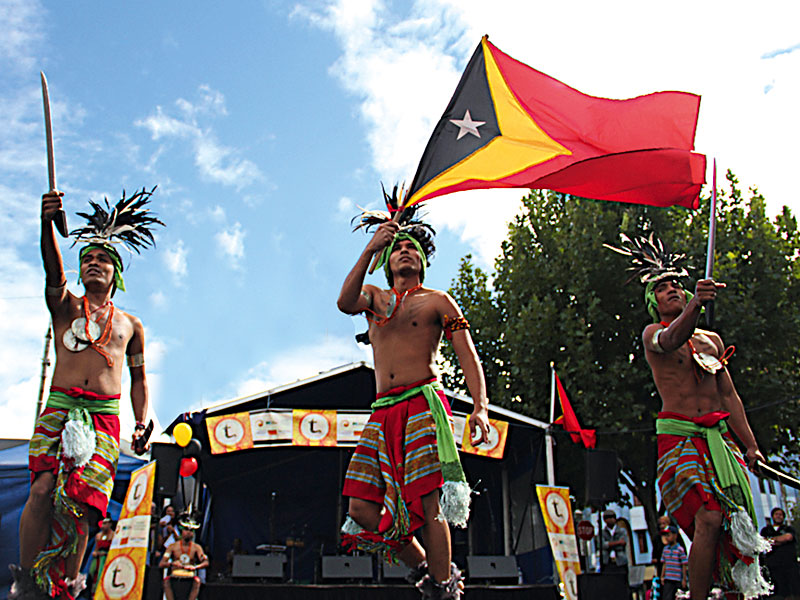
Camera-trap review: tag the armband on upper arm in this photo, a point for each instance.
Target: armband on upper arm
(136, 360)
(454, 324)
(54, 290)
(654, 340)
(368, 297)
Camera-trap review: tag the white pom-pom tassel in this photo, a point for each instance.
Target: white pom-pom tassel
(749, 581)
(745, 536)
(78, 441)
(456, 497)
(350, 527)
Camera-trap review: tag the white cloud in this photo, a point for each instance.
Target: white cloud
(403, 69)
(217, 213)
(230, 241)
(346, 206)
(300, 362)
(175, 260)
(21, 23)
(214, 160)
(159, 299)
(21, 355)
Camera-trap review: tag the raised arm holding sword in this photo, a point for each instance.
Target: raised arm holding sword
(75, 446)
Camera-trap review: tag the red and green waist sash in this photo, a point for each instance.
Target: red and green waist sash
(712, 427)
(75, 397)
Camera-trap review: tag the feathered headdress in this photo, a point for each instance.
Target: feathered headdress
(409, 219)
(129, 222)
(651, 260)
(187, 521)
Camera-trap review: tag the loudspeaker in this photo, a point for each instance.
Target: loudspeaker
(492, 567)
(602, 474)
(270, 565)
(347, 567)
(395, 571)
(603, 586)
(152, 584)
(168, 462)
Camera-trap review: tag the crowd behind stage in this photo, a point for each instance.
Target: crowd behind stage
(669, 566)
(669, 562)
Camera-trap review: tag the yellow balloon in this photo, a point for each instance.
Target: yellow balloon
(182, 433)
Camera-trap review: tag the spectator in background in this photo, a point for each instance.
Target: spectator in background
(781, 561)
(237, 549)
(674, 563)
(167, 528)
(102, 542)
(615, 543)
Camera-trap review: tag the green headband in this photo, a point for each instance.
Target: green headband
(650, 296)
(115, 258)
(384, 257)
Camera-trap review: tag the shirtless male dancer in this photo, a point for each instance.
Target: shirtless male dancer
(700, 468)
(75, 446)
(409, 423)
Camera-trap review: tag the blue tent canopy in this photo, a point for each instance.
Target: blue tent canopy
(14, 486)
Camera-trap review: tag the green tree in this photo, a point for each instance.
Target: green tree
(557, 295)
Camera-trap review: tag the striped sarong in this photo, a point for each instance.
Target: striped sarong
(76, 487)
(395, 464)
(693, 474)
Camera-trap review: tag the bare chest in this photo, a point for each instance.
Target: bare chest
(106, 327)
(411, 317)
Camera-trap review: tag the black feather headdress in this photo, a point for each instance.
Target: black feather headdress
(129, 222)
(650, 258)
(409, 220)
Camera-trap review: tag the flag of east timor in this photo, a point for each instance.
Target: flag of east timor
(508, 125)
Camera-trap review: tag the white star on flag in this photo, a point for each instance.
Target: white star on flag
(467, 125)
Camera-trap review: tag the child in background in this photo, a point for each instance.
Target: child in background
(674, 564)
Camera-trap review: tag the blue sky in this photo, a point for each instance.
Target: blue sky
(265, 124)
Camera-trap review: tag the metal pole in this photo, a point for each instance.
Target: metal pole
(551, 469)
(45, 364)
(506, 511)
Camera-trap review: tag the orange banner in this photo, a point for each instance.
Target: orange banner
(494, 448)
(123, 573)
(314, 427)
(228, 433)
(557, 513)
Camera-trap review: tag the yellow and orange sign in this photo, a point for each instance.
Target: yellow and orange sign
(557, 513)
(123, 574)
(494, 448)
(228, 433)
(314, 427)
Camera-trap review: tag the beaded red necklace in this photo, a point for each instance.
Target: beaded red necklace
(398, 298)
(105, 335)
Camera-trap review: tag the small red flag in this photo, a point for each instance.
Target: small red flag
(570, 422)
(511, 126)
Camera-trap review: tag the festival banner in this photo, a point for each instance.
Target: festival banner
(123, 573)
(271, 426)
(313, 427)
(494, 448)
(228, 433)
(282, 427)
(349, 427)
(557, 513)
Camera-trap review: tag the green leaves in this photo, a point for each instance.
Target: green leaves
(557, 295)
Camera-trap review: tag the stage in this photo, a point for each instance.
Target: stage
(346, 591)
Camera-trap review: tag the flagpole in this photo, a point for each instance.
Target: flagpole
(712, 237)
(548, 447)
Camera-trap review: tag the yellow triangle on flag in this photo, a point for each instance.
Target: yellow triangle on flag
(521, 145)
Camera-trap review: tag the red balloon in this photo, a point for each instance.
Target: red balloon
(188, 466)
